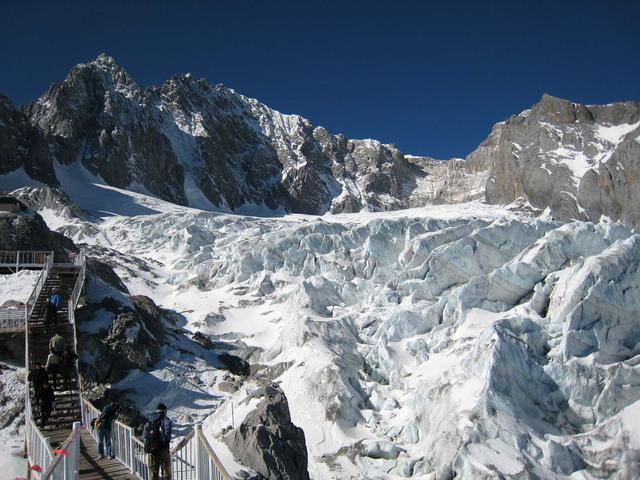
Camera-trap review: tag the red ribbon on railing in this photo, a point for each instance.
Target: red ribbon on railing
(60, 451)
(36, 468)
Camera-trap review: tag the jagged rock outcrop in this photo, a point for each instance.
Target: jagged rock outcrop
(28, 231)
(117, 335)
(207, 146)
(268, 442)
(580, 161)
(22, 145)
(193, 143)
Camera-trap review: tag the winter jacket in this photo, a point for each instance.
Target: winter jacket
(107, 416)
(165, 427)
(55, 300)
(53, 360)
(57, 344)
(48, 398)
(38, 377)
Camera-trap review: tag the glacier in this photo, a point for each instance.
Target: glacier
(454, 341)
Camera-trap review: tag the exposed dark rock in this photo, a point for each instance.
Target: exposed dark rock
(555, 156)
(28, 231)
(268, 442)
(187, 141)
(23, 145)
(12, 347)
(103, 271)
(245, 152)
(203, 340)
(130, 338)
(235, 365)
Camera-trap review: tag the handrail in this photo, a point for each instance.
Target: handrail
(38, 447)
(13, 317)
(191, 459)
(33, 299)
(66, 464)
(127, 448)
(23, 258)
(74, 298)
(212, 462)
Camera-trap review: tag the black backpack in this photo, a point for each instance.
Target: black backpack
(153, 441)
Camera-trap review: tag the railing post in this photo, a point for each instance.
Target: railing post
(132, 453)
(196, 438)
(76, 449)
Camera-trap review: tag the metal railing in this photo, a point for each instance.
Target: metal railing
(33, 299)
(191, 459)
(20, 259)
(74, 298)
(40, 454)
(126, 447)
(13, 317)
(194, 459)
(66, 464)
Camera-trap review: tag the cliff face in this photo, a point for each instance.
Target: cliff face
(580, 161)
(207, 146)
(192, 143)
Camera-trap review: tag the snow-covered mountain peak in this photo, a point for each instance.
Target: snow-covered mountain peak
(189, 142)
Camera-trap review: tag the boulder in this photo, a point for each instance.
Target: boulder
(268, 442)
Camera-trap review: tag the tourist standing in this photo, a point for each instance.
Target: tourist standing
(105, 421)
(157, 436)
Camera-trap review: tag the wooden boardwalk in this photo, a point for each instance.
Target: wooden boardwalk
(93, 468)
(67, 409)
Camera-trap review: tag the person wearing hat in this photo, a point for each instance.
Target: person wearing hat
(157, 437)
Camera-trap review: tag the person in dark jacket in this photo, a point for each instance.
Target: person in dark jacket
(69, 366)
(159, 456)
(47, 403)
(57, 344)
(53, 304)
(106, 419)
(37, 378)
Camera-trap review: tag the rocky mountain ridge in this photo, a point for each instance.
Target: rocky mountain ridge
(207, 146)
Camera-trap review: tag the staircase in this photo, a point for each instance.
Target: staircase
(63, 279)
(64, 449)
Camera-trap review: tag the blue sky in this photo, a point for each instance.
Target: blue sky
(430, 77)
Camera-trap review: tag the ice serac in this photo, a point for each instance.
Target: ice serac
(580, 161)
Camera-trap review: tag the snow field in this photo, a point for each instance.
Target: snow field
(455, 340)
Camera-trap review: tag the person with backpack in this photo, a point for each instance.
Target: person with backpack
(69, 366)
(47, 403)
(57, 345)
(157, 436)
(37, 378)
(53, 304)
(53, 368)
(105, 421)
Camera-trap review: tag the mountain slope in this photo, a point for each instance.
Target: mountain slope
(195, 144)
(206, 146)
(580, 161)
